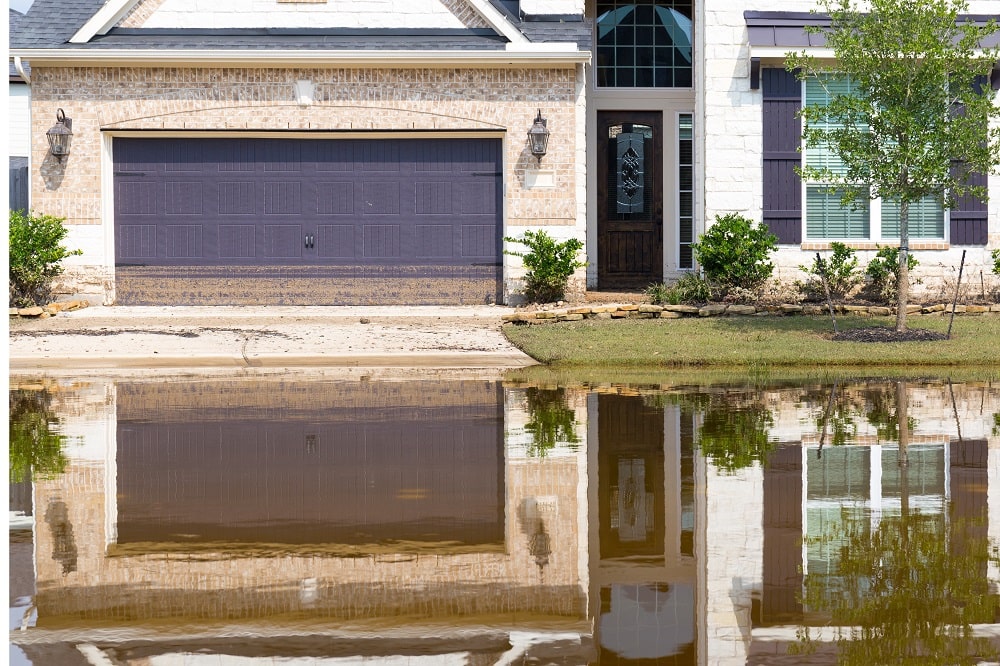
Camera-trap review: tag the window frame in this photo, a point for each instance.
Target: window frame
(597, 68)
(875, 205)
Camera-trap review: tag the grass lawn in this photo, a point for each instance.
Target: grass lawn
(754, 343)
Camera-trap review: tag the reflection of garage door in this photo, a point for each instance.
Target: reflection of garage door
(307, 221)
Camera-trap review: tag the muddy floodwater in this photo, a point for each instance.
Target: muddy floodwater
(431, 519)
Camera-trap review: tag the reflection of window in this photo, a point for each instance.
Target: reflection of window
(644, 44)
(867, 482)
(924, 474)
(826, 217)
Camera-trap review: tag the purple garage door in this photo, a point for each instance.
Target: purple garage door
(307, 221)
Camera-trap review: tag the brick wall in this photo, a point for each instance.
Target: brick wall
(102, 101)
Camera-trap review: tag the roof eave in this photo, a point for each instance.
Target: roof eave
(536, 55)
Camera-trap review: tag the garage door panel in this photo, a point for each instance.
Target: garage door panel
(282, 156)
(283, 241)
(416, 220)
(476, 198)
(137, 241)
(434, 241)
(185, 241)
(381, 241)
(138, 198)
(432, 198)
(380, 198)
(184, 198)
(478, 241)
(234, 155)
(335, 198)
(237, 241)
(336, 241)
(283, 198)
(187, 156)
(237, 197)
(377, 156)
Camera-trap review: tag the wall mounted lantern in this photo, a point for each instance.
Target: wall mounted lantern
(59, 135)
(538, 137)
(540, 546)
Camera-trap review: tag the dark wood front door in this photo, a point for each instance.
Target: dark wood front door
(629, 199)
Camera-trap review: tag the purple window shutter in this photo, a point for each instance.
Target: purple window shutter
(968, 224)
(968, 216)
(782, 99)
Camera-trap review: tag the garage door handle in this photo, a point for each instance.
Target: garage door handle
(310, 241)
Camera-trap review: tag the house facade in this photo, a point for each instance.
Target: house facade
(332, 152)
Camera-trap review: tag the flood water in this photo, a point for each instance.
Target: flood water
(476, 521)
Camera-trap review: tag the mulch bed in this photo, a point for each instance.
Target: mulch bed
(885, 334)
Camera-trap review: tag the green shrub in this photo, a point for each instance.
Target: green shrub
(734, 253)
(996, 262)
(35, 256)
(550, 264)
(690, 288)
(882, 273)
(841, 272)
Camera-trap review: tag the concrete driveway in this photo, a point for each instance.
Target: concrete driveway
(369, 336)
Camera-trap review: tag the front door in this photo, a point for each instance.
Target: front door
(629, 199)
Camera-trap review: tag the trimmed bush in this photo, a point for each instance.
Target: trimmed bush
(735, 254)
(882, 273)
(550, 264)
(841, 272)
(36, 252)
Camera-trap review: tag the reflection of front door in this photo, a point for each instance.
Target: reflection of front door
(629, 199)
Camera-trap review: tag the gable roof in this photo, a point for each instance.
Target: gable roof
(51, 22)
(113, 10)
(54, 30)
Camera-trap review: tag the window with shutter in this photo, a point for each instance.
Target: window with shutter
(878, 220)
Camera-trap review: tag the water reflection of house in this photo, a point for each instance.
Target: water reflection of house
(282, 509)
(286, 508)
(948, 467)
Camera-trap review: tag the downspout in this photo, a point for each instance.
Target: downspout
(19, 66)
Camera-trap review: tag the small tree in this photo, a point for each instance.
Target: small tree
(920, 106)
(550, 264)
(36, 254)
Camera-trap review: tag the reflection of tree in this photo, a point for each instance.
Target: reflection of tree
(735, 434)
(838, 418)
(35, 446)
(882, 412)
(550, 420)
(907, 597)
(735, 425)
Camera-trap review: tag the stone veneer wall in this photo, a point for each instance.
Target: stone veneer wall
(108, 99)
(730, 131)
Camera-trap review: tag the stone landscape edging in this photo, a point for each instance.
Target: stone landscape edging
(648, 311)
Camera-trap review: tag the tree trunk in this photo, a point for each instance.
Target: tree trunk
(903, 283)
(903, 460)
